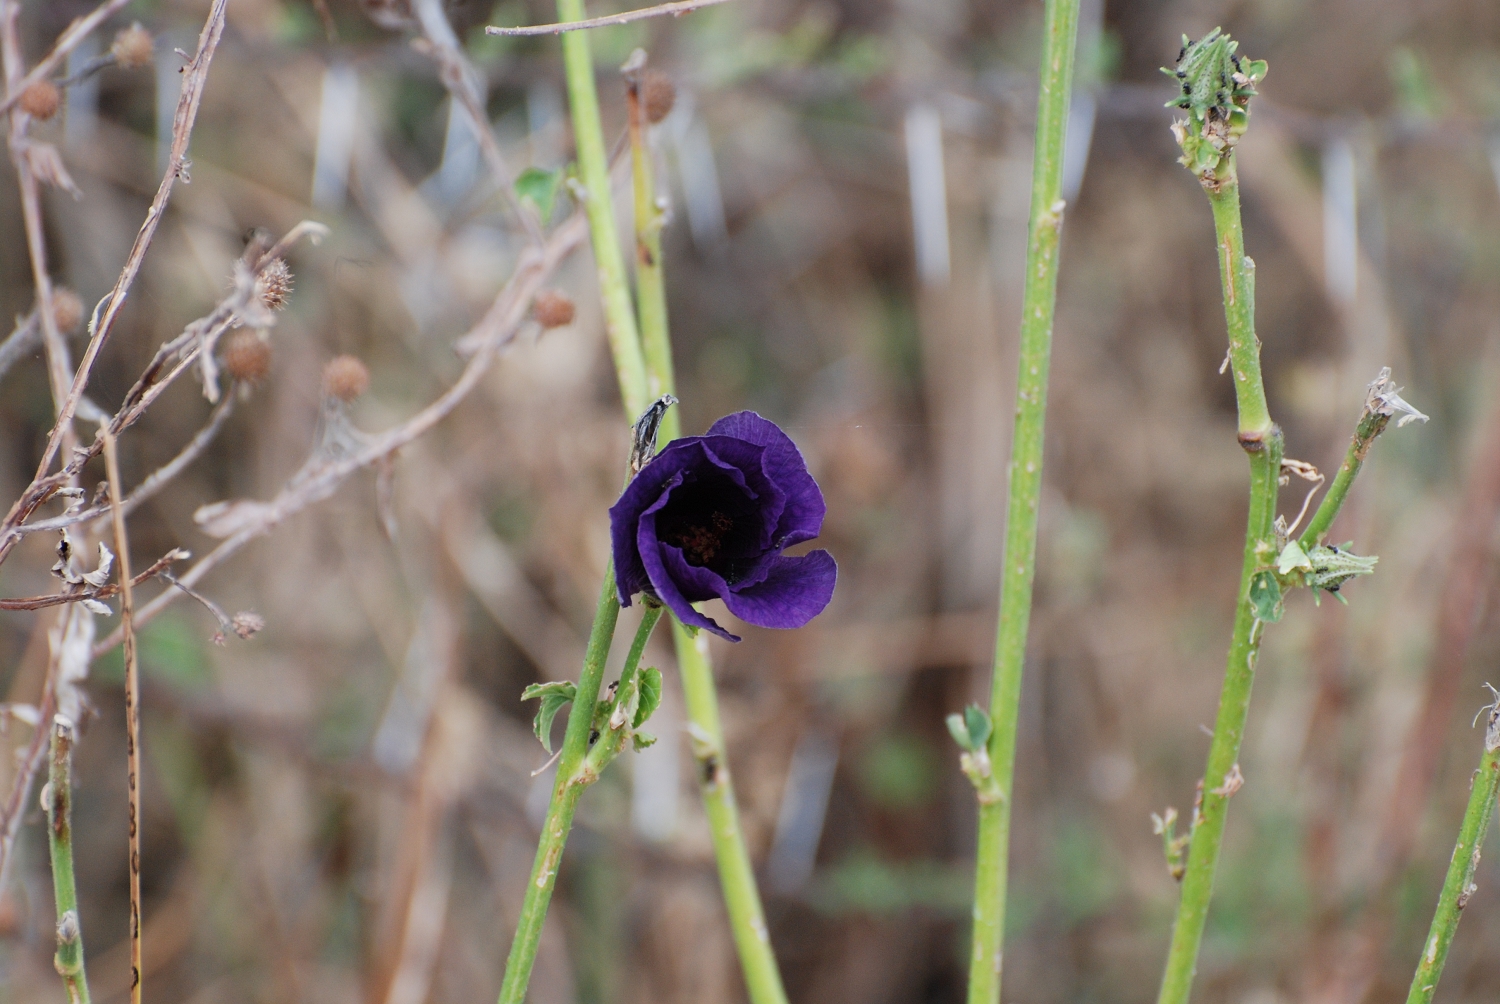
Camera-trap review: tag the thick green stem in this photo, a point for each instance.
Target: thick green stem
(1261, 440)
(69, 959)
(565, 794)
(1038, 303)
(736, 874)
(1459, 884)
(593, 168)
(1371, 424)
(741, 900)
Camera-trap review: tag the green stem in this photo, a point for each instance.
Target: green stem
(1371, 425)
(741, 900)
(69, 959)
(650, 287)
(1459, 884)
(1037, 308)
(593, 167)
(1261, 440)
(565, 794)
(616, 732)
(736, 875)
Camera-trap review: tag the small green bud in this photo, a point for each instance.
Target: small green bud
(1216, 88)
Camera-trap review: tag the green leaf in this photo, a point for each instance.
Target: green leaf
(540, 188)
(1292, 556)
(959, 731)
(979, 726)
(1265, 597)
(642, 740)
(553, 696)
(650, 688)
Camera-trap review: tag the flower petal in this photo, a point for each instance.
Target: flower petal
(794, 592)
(653, 553)
(782, 462)
(665, 471)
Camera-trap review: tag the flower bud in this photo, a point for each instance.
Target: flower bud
(247, 356)
(658, 95)
(553, 309)
(40, 100)
(67, 309)
(346, 378)
(132, 47)
(274, 284)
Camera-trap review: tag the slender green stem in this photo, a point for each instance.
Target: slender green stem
(736, 874)
(69, 959)
(615, 731)
(593, 167)
(565, 794)
(1459, 884)
(650, 287)
(1371, 424)
(1261, 440)
(1037, 307)
(741, 900)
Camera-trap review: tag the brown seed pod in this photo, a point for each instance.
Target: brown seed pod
(41, 100)
(552, 309)
(346, 378)
(274, 284)
(247, 356)
(67, 309)
(132, 47)
(658, 95)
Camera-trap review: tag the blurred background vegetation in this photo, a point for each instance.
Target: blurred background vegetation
(341, 808)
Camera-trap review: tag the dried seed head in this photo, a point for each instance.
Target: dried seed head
(67, 309)
(553, 309)
(274, 284)
(246, 623)
(247, 356)
(41, 100)
(346, 378)
(132, 47)
(658, 95)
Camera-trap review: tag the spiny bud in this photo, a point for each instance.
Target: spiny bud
(346, 378)
(132, 47)
(247, 356)
(41, 100)
(553, 309)
(274, 284)
(658, 95)
(67, 309)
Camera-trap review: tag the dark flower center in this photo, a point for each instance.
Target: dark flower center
(714, 523)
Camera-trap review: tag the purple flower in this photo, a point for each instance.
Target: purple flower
(709, 517)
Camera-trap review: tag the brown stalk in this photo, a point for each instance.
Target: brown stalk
(132, 712)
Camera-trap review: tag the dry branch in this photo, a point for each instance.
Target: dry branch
(674, 9)
(321, 476)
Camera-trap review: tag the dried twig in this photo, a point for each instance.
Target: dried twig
(159, 566)
(66, 43)
(194, 77)
(22, 341)
(21, 149)
(321, 476)
(460, 79)
(132, 713)
(675, 9)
